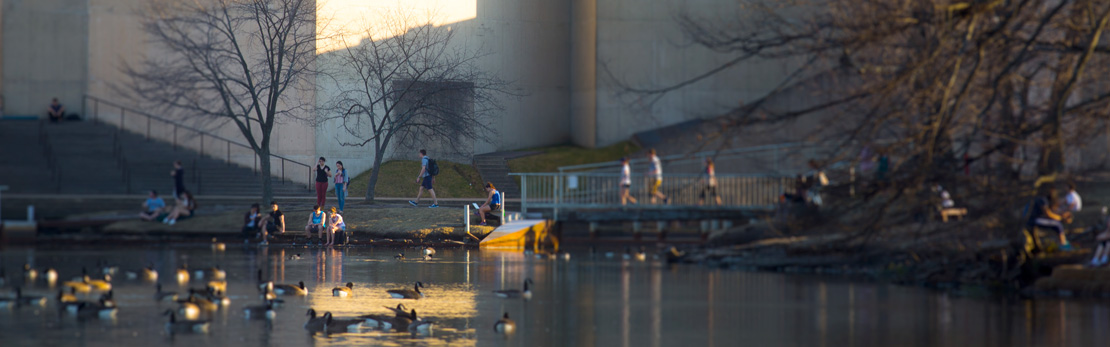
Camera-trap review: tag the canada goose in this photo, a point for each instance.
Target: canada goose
(185, 326)
(21, 299)
(314, 323)
(429, 251)
(7, 302)
(159, 295)
(564, 256)
(295, 256)
(514, 293)
(29, 273)
(627, 253)
(610, 254)
(399, 311)
(399, 256)
(268, 292)
(78, 286)
(108, 270)
(264, 311)
(51, 275)
(108, 300)
(100, 310)
(673, 255)
(289, 289)
(420, 326)
(380, 321)
(182, 274)
(64, 297)
(188, 309)
(218, 297)
(413, 293)
(217, 286)
(504, 325)
(148, 274)
(427, 257)
(262, 284)
(217, 274)
(204, 303)
(640, 255)
(334, 326)
(343, 291)
(102, 285)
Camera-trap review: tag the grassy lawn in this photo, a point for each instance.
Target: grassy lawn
(564, 155)
(397, 179)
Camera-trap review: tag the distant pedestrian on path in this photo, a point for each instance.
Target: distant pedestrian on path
(152, 206)
(428, 170)
(655, 178)
(493, 202)
(322, 174)
(316, 222)
(341, 183)
(709, 181)
(178, 174)
(626, 182)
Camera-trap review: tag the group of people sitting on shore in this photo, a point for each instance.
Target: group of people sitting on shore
(155, 209)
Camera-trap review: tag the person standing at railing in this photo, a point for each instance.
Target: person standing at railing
(178, 174)
(341, 180)
(323, 172)
(709, 181)
(655, 178)
(626, 182)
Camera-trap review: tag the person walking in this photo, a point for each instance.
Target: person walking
(709, 181)
(341, 183)
(178, 174)
(655, 178)
(322, 174)
(426, 178)
(626, 182)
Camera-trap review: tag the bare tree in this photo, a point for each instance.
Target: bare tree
(949, 85)
(235, 60)
(407, 83)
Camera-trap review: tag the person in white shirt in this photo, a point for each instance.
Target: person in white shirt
(1072, 201)
(655, 178)
(626, 182)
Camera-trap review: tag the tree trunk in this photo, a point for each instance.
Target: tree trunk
(374, 171)
(264, 171)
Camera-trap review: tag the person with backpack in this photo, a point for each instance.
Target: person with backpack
(428, 170)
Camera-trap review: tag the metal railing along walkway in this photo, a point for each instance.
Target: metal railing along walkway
(592, 190)
(146, 120)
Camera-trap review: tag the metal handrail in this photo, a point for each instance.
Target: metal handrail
(561, 190)
(679, 157)
(124, 110)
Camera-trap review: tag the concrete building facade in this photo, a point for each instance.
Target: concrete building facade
(564, 58)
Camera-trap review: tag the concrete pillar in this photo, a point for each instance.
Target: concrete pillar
(583, 74)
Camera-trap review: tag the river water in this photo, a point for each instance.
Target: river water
(585, 301)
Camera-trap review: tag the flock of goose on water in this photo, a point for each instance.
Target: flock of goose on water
(187, 317)
(191, 306)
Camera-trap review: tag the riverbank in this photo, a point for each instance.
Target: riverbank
(971, 256)
(368, 224)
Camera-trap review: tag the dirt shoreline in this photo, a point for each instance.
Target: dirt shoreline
(966, 264)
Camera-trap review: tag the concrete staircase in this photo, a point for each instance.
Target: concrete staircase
(93, 158)
(494, 167)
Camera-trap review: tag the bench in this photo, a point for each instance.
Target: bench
(946, 212)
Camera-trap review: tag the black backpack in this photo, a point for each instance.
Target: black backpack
(433, 168)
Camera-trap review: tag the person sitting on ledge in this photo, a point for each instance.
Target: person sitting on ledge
(251, 221)
(274, 222)
(56, 111)
(184, 208)
(316, 223)
(152, 207)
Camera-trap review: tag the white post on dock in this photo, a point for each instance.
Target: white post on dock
(503, 206)
(467, 218)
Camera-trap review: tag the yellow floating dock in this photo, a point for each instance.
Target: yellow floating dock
(522, 235)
